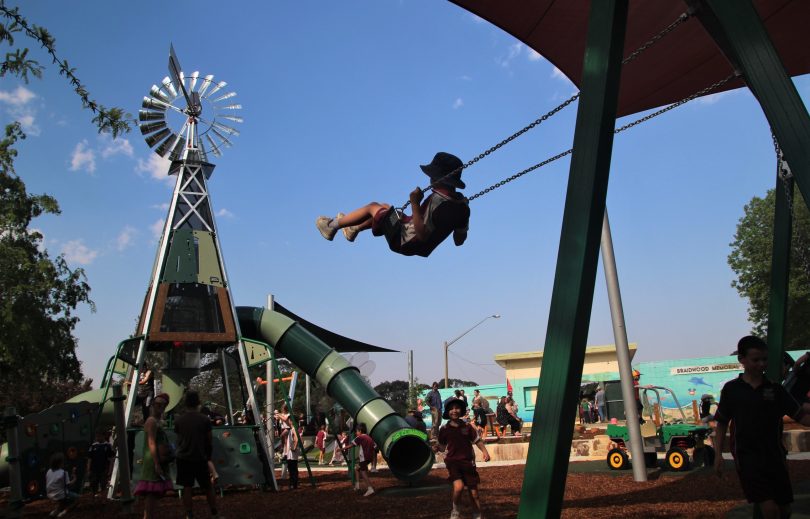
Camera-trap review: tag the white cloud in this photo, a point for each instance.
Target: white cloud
(465, 77)
(162, 207)
(475, 18)
(157, 167)
(17, 97)
(125, 237)
(512, 52)
(712, 98)
(26, 120)
(157, 228)
(458, 103)
(83, 158)
(77, 252)
(118, 146)
(534, 55)
(224, 213)
(20, 110)
(558, 74)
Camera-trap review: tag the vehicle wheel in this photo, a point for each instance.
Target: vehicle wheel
(651, 460)
(677, 459)
(617, 459)
(708, 455)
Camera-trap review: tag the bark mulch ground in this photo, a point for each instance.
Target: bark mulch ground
(588, 494)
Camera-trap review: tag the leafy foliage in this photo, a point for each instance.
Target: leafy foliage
(750, 259)
(38, 296)
(114, 120)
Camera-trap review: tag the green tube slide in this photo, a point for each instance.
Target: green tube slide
(406, 449)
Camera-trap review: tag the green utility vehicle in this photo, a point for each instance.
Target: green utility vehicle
(683, 442)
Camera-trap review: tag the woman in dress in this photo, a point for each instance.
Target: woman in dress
(154, 480)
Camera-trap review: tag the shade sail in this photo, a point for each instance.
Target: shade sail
(684, 62)
(338, 342)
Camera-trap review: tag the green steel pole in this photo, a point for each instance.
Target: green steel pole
(572, 296)
(780, 276)
(739, 32)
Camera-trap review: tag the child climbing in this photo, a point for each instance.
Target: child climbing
(444, 212)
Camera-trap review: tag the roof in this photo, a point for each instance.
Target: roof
(684, 62)
(503, 358)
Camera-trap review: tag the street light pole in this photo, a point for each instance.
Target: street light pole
(450, 343)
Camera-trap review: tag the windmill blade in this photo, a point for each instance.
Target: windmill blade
(167, 84)
(167, 145)
(155, 91)
(367, 368)
(145, 115)
(233, 118)
(154, 104)
(359, 358)
(216, 88)
(152, 127)
(194, 76)
(177, 152)
(214, 147)
(157, 137)
(175, 70)
(226, 129)
(207, 82)
(231, 107)
(224, 139)
(225, 96)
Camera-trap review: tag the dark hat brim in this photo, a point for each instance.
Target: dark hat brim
(435, 173)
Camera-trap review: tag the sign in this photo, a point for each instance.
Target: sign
(711, 368)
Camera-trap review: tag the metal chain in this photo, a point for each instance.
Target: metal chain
(632, 56)
(785, 174)
(616, 131)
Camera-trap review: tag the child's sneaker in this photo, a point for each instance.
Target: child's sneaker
(368, 492)
(322, 223)
(357, 486)
(63, 513)
(477, 515)
(351, 233)
(53, 513)
(455, 514)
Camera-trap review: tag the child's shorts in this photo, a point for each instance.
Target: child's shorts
(362, 466)
(465, 471)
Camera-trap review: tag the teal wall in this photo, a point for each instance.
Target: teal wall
(701, 375)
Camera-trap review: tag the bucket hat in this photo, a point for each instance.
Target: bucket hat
(455, 402)
(442, 165)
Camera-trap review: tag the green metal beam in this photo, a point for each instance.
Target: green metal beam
(780, 276)
(742, 37)
(572, 296)
(738, 30)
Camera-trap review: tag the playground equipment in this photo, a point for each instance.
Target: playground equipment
(682, 442)
(188, 326)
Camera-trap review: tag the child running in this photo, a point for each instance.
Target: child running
(444, 212)
(457, 438)
(366, 452)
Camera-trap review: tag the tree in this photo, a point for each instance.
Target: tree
(396, 393)
(750, 259)
(458, 383)
(38, 294)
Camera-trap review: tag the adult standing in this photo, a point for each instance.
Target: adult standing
(194, 446)
(434, 401)
(153, 483)
(599, 400)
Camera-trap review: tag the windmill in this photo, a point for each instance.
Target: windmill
(188, 310)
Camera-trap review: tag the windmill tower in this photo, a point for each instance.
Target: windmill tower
(188, 310)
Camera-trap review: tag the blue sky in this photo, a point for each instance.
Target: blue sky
(342, 101)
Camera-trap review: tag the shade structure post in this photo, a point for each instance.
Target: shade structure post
(780, 275)
(738, 30)
(577, 260)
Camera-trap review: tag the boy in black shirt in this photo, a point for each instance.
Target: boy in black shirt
(99, 456)
(757, 405)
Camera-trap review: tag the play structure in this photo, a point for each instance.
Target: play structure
(189, 327)
(625, 56)
(681, 441)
